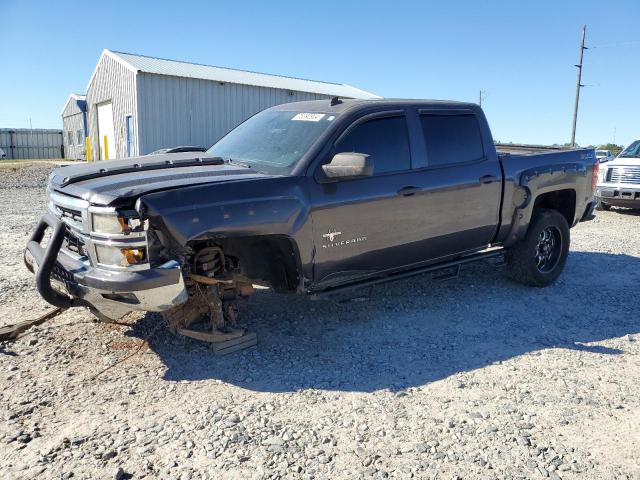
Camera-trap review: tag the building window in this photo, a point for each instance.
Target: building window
(70, 138)
(80, 138)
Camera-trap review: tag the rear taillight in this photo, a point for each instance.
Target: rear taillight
(594, 179)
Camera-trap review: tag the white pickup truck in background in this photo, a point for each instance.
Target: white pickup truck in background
(604, 155)
(619, 180)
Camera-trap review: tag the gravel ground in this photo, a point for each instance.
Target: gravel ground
(475, 377)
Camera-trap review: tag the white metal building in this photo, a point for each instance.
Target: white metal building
(138, 104)
(74, 126)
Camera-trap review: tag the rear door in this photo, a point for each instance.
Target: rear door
(460, 186)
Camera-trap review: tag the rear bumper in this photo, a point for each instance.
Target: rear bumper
(619, 196)
(65, 281)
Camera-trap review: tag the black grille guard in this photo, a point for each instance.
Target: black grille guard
(47, 264)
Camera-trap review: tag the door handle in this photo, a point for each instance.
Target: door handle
(408, 191)
(488, 179)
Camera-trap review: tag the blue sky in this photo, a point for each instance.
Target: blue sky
(520, 53)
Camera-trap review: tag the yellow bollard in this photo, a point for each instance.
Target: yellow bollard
(106, 148)
(87, 146)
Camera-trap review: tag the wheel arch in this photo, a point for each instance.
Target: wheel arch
(273, 259)
(564, 201)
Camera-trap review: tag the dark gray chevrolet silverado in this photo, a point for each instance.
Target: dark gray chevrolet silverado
(310, 197)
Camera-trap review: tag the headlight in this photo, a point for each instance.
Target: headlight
(122, 257)
(602, 174)
(116, 223)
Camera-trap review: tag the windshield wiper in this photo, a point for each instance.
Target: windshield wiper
(231, 161)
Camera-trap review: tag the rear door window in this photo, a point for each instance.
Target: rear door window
(451, 139)
(385, 139)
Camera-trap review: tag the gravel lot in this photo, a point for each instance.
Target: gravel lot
(475, 377)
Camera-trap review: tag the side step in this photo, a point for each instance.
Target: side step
(450, 270)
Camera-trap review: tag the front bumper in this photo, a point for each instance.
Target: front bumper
(619, 196)
(65, 281)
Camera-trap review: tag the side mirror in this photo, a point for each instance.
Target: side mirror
(348, 165)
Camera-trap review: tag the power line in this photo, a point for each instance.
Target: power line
(620, 44)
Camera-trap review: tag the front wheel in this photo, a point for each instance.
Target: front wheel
(540, 257)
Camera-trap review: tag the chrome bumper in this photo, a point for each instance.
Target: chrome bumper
(619, 195)
(66, 281)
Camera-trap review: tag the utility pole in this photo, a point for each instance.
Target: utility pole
(578, 86)
(480, 98)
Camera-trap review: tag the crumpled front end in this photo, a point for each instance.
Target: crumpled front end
(100, 257)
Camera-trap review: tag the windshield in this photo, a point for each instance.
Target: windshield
(272, 142)
(632, 151)
(602, 153)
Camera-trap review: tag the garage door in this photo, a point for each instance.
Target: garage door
(105, 131)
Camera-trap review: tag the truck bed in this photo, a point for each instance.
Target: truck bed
(526, 149)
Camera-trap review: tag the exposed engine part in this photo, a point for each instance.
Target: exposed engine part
(210, 262)
(211, 312)
(204, 303)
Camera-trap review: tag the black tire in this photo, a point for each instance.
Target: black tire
(539, 258)
(602, 206)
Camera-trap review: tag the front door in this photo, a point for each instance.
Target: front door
(361, 225)
(106, 140)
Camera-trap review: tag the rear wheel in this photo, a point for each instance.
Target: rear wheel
(540, 257)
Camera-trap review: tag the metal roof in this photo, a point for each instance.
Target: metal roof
(161, 66)
(78, 97)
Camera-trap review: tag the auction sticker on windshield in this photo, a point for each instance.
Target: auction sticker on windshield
(308, 117)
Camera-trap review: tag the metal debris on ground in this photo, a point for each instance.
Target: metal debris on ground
(12, 332)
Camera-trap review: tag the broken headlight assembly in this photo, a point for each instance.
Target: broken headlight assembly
(121, 257)
(116, 223)
(119, 238)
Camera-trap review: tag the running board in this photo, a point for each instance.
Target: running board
(453, 265)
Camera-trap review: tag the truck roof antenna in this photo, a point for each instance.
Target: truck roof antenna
(335, 101)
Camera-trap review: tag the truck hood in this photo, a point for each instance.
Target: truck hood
(624, 161)
(118, 182)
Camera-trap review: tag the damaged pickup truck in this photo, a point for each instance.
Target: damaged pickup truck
(312, 198)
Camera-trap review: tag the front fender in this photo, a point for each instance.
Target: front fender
(265, 207)
(272, 206)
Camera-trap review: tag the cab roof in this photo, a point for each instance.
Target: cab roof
(344, 105)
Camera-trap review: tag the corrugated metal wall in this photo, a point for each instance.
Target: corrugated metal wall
(72, 121)
(74, 147)
(24, 143)
(116, 83)
(176, 111)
